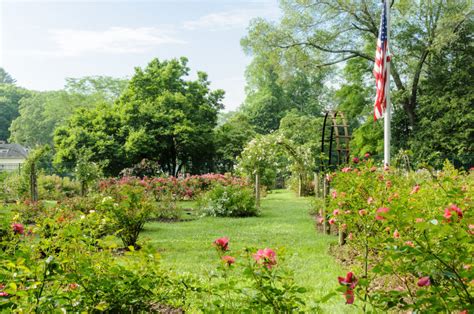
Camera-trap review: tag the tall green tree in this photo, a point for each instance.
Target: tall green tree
(446, 111)
(278, 80)
(10, 96)
(42, 113)
(160, 116)
(230, 140)
(338, 34)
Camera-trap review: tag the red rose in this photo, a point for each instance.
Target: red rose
(18, 228)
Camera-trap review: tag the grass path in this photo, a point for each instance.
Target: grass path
(284, 224)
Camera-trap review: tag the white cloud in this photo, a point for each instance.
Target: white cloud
(114, 40)
(229, 19)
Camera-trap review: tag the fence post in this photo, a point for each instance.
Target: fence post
(257, 190)
(326, 228)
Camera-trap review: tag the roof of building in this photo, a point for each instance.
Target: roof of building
(12, 151)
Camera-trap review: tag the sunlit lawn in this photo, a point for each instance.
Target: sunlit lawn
(284, 224)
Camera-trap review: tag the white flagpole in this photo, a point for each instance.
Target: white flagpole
(388, 114)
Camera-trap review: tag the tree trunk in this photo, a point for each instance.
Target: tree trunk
(300, 185)
(33, 184)
(257, 190)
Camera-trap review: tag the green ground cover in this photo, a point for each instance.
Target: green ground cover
(285, 224)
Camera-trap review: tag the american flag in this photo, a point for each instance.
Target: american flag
(381, 72)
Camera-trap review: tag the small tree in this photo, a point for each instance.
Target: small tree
(86, 171)
(30, 172)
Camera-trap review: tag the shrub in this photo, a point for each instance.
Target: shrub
(167, 209)
(64, 272)
(411, 234)
(129, 208)
(263, 286)
(56, 188)
(228, 201)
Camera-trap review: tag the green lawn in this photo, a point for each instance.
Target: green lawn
(284, 224)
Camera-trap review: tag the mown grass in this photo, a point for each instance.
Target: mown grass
(285, 224)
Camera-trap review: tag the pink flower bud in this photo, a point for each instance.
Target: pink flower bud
(396, 234)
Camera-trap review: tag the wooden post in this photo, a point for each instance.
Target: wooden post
(300, 185)
(33, 184)
(325, 196)
(257, 190)
(316, 185)
(342, 237)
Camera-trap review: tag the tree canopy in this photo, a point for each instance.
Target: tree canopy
(161, 116)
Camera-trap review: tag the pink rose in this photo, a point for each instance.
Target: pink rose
(332, 221)
(456, 209)
(424, 281)
(415, 189)
(346, 169)
(228, 260)
(335, 212)
(367, 155)
(409, 243)
(382, 210)
(370, 200)
(362, 212)
(266, 257)
(222, 244)
(447, 214)
(355, 160)
(334, 194)
(320, 220)
(396, 234)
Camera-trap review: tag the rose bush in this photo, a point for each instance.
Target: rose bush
(181, 188)
(411, 235)
(228, 201)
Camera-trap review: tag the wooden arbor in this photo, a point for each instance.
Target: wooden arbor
(334, 141)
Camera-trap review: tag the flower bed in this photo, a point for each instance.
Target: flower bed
(182, 188)
(413, 234)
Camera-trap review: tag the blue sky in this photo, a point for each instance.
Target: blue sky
(43, 42)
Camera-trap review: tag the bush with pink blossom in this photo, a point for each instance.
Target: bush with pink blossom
(411, 235)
